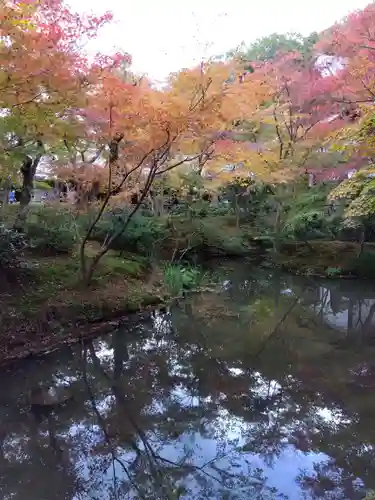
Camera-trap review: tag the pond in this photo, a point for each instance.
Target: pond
(263, 390)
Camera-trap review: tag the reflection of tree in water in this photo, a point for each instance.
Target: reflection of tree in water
(203, 402)
(331, 482)
(171, 412)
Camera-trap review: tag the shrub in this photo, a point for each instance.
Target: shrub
(200, 209)
(12, 245)
(207, 236)
(306, 225)
(308, 215)
(51, 230)
(140, 236)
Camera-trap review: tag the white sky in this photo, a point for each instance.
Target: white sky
(166, 35)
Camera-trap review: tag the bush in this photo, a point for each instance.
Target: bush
(206, 237)
(51, 230)
(306, 226)
(200, 210)
(12, 245)
(141, 235)
(308, 215)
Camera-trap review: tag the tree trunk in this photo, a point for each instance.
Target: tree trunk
(28, 171)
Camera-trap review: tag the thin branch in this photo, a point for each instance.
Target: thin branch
(29, 101)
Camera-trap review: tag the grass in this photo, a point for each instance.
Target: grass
(50, 306)
(56, 279)
(178, 278)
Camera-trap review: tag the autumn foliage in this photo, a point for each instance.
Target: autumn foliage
(103, 130)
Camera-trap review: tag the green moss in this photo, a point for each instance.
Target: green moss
(120, 266)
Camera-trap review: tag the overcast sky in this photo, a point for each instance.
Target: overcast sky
(165, 35)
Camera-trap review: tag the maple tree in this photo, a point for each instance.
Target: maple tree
(358, 195)
(288, 116)
(322, 95)
(43, 79)
(141, 134)
(110, 133)
(351, 43)
(349, 83)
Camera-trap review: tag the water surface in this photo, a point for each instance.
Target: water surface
(262, 391)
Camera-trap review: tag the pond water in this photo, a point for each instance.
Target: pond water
(264, 390)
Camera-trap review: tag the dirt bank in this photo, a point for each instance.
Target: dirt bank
(48, 306)
(328, 259)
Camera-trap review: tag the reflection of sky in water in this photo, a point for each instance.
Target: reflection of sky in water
(281, 475)
(227, 441)
(284, 469)
(202, 449)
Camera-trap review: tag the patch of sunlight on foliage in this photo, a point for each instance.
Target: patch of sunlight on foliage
(348, 189)
(363, 206)
(178, 278)
(118, 265)
(333, 272)
(260, 309)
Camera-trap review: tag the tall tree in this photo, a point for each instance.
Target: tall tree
(43, 78)
(145, 133)
(269, 47)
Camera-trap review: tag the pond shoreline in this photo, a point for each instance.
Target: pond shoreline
(326, 259)
(37, 342)
(268, 364)
(47, 306)
(39, 320)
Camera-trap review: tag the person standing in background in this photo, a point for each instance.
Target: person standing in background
(12, 197)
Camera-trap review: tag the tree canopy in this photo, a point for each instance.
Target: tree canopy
(274, 110)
